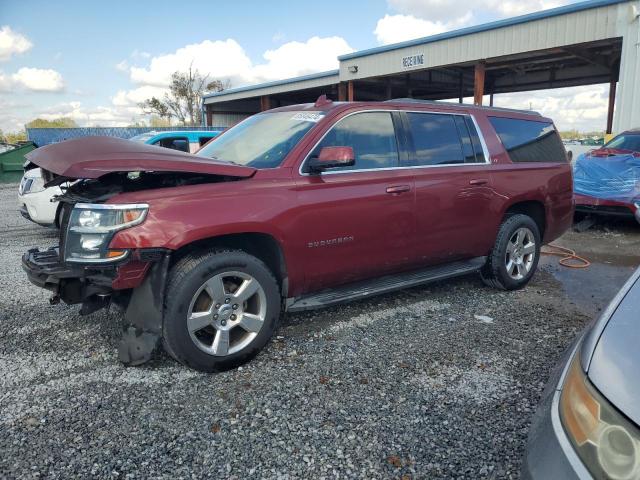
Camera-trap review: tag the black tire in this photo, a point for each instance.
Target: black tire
(185, 278)
(494, 273)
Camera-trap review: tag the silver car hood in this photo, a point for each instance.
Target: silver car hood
(614, 366)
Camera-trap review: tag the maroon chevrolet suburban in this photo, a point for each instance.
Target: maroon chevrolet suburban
(297, 208)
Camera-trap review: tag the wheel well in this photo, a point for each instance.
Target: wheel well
(260, 245)
(533, 209)
(56, 219)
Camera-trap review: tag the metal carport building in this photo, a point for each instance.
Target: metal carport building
(592, 42)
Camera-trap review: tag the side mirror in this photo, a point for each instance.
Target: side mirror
(332, 157)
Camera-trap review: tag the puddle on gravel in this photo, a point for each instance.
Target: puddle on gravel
(591, 289)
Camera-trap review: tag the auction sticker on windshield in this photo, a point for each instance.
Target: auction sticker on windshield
(308, 116)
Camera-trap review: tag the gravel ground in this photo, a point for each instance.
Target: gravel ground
(437, 381)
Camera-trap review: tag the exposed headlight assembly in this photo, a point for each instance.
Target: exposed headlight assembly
(92, 226)
(37, 185)
(607, 443)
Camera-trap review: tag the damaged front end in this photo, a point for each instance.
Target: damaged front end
(84, 270)
(94, 173)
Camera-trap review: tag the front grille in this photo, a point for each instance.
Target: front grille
(64, 224)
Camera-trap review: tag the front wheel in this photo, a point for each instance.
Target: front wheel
(515, 255)
(221, 309)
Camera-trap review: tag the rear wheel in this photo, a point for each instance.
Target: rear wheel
(515, 255)
(221, 309)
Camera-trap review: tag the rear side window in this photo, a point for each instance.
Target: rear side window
(529, 141)
(174, 143)
(370, 134)
(441, 139)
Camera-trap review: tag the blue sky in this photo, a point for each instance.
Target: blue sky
(95, 60)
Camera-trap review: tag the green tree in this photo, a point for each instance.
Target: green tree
(184, 97)
(62, 122)
(156, 121)
(16, 137)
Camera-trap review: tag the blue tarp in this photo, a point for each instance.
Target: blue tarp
(46, 136)
(615, 177)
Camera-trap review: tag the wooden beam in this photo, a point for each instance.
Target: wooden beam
(478, 83)
(265, 103)
(612, 101)
(491, 100)
(350, 92)
(342, 92)
(461, 87)
(209, 117)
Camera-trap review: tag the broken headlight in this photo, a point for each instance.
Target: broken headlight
(606, 441)
(92, 226)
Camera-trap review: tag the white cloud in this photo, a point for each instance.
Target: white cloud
(397, 28)
(220, 59)
(123, 66)
(301, 58)
(133, 97)
(12, 43)
(228, 60)
(38, 79)
(140, 54)
(582, 108)
(5, 83)
(91, 116)
(444, 11)
(422, 18)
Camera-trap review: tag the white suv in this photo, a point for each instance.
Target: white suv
(36, 201)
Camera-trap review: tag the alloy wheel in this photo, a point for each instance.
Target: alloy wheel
(226, 313)
(520, 254)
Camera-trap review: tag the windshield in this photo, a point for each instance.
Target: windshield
(625, 142)
(263, 140)
(143, 137)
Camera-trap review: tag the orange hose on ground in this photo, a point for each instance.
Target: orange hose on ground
(569, 257)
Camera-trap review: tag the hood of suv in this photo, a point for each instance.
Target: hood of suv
(93, 157)
(616, 357)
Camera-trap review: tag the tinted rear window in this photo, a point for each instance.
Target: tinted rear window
(529, 141)
(436, 139)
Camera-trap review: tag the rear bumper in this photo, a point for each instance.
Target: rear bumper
(606, 207)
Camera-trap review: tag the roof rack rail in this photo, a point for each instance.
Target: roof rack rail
(456, 104)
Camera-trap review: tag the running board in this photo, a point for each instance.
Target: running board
(389, 283)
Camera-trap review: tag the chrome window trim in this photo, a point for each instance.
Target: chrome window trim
(485, 150)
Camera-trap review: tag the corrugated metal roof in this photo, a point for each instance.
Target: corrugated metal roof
(554, 12)
(313, 76)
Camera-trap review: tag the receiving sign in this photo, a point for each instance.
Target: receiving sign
(413, 61)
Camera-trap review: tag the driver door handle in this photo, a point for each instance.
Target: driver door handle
(478, 181)
(397, 189)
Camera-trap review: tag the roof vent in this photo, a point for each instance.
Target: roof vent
(322, 101)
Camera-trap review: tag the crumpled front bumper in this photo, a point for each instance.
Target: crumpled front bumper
(139, 285)
(73, 284)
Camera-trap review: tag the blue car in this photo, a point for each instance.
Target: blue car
(185, 141)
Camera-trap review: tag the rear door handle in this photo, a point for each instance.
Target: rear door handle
(478, 181)
(396, 189)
